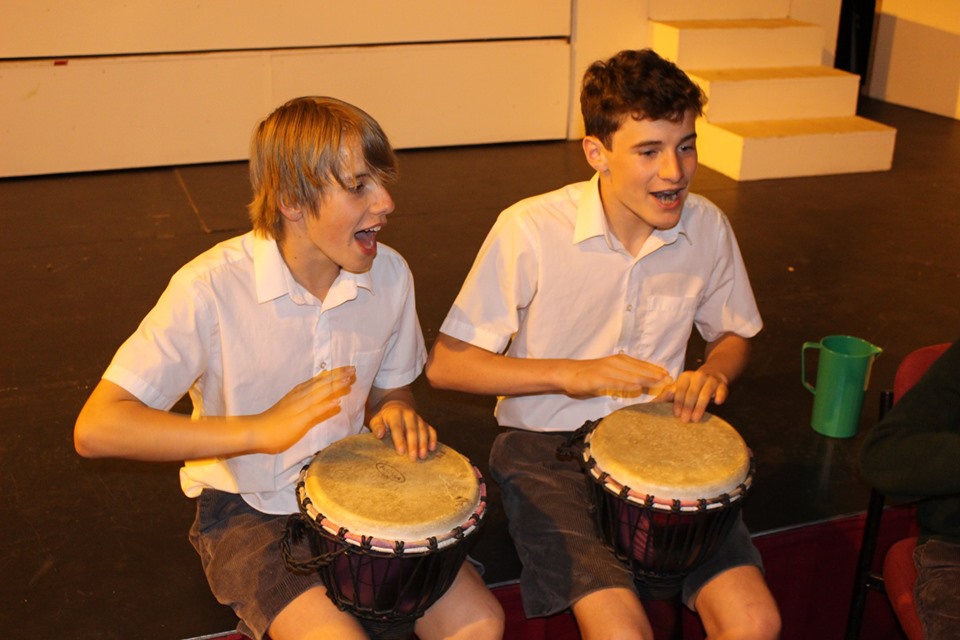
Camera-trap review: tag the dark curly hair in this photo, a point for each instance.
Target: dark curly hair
(636, 83)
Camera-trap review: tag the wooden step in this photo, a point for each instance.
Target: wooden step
(732, 44)
(790, 148)
(717, 10)
(777, 93)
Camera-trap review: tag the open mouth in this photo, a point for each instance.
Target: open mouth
(667, 197)
(367, 237)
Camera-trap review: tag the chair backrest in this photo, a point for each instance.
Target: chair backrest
(913, 366)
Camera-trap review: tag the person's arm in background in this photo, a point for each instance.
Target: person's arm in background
(915, 450)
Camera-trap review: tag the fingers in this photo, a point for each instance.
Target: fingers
(637, 374)
(615, 375)
(335, 381)
(693, 393)
(410, 434)
(321, 394)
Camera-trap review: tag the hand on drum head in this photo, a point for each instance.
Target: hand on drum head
(304, 406)
(410, 433)
(692, 393)
(613, 375)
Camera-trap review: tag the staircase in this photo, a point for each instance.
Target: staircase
(774, 110)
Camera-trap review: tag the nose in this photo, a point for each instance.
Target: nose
(384, 204)
(670, 167)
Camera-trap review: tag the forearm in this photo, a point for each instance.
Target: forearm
(914, 450)
(907, 462)
(379, 397)
(454, 364)
(115, 424)
(726, 357)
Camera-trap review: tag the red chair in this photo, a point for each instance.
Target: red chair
(899, 572)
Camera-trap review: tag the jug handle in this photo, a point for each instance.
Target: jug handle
(803, 364)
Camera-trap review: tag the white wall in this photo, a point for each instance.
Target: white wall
(116, 84)
(916, 55)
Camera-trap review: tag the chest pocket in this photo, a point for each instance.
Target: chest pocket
(667, 324)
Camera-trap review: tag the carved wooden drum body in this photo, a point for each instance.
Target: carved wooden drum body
(388, 535)
(667, 492)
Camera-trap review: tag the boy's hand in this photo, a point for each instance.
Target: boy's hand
(307, 404)
(410, 433)
(692, 393)
(614, 375)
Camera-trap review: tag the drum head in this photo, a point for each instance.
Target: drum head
(646, 448)
(362, 484)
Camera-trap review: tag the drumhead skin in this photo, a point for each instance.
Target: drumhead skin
(646, 448)
(362, 484)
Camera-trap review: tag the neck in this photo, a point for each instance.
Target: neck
(624, 224)
(313, 273)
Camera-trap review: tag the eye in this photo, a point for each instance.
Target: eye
(358, 187)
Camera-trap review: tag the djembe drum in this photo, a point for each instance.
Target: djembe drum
(388, 535)
(666, 492)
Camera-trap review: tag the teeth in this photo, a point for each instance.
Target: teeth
(371, 230)
(667, 196)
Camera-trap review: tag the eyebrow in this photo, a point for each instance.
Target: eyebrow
(657, 143)
(355, 178)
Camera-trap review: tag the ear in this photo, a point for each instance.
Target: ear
(596, 154)
(293, 213)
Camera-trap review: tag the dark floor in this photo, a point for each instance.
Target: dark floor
(97, 549)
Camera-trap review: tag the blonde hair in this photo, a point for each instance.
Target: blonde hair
(302, 148)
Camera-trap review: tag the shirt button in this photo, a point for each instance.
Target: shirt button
(629, 307)
(323, 365)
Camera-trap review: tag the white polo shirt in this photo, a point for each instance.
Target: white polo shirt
(238, 332)
(552, 281)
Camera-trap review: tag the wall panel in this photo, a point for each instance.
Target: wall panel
(134, 111)
(64, 28)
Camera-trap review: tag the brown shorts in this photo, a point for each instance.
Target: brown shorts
(240, 550)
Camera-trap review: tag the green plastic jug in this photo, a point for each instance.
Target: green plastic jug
(843, 375)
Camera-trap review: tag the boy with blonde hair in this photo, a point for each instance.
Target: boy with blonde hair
(287, 338)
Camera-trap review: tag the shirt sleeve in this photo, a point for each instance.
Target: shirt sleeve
(728, 304)
(500, 285)
(168, 351)
(405, 353)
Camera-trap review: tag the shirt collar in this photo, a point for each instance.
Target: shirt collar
(274, 279)
(592, 223)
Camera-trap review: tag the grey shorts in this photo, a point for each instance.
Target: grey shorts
(240, 551)
(549, 513)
